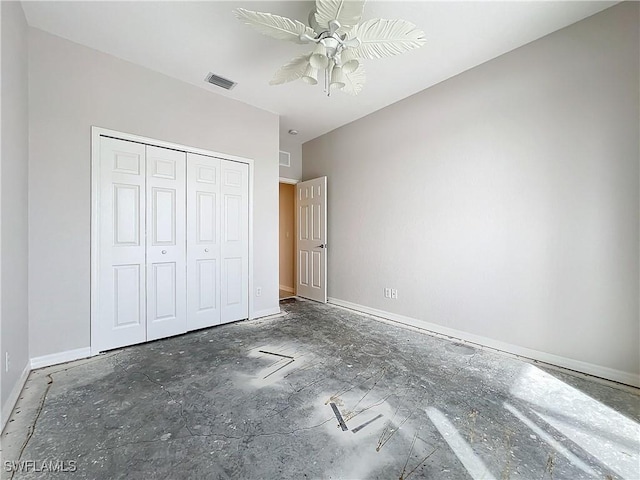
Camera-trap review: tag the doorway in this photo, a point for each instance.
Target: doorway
(287, 240)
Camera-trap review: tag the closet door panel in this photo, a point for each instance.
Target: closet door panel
(166, 242)
(203, 241)
(121, 296)
(234, 244)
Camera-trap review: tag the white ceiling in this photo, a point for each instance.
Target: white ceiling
(186, 40)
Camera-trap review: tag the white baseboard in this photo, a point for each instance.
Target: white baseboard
(265, 313)
(287, 289)
(61, 357)
(619, 376)
(7, 408)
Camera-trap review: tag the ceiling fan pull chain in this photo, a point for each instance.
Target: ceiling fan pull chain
(327, 80)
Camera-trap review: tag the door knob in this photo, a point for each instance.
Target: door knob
(324, 245)
(206, 250)
(164, 251)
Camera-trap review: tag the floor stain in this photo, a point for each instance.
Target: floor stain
(506, 471)
(551, 463)
(369, 422)
(473, 415)
(343, 425)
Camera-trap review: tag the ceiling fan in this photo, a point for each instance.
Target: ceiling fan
(340, 39)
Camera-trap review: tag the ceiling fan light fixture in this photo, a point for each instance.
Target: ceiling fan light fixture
(310, 75)
(319, 57)
(350, 66)
(337, 78)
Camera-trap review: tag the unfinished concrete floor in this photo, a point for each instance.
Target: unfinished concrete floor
(253, 400)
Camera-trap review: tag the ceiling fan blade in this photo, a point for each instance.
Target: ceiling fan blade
(354, 81)
(384, 38)
(291, 71)
(274, 26)
(347, 12)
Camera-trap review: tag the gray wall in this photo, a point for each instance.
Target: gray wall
(72, 88)
(14, 156)
(502, 202)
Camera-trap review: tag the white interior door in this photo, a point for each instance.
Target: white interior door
(234, 284)
(121, 245)
(311, 228)
(203, 241)
(166, 243)
(159, 218)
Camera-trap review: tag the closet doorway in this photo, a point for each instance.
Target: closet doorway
(287, 239)
(170, 239)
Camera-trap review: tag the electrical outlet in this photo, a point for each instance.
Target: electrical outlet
(258, 291)
(387, 293)
(6, 361)
(394, 293)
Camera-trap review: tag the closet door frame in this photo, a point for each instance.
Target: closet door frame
(96, 134)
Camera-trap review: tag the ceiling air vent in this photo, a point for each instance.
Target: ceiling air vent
(214, 79)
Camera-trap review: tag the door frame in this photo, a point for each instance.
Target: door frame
(96, 133)
(288, 181)
(294, 182)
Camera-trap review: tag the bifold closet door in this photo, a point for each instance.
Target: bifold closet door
(172, 243)
(234, 249)
(203, 241)
(166, 242)
(121, 272)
